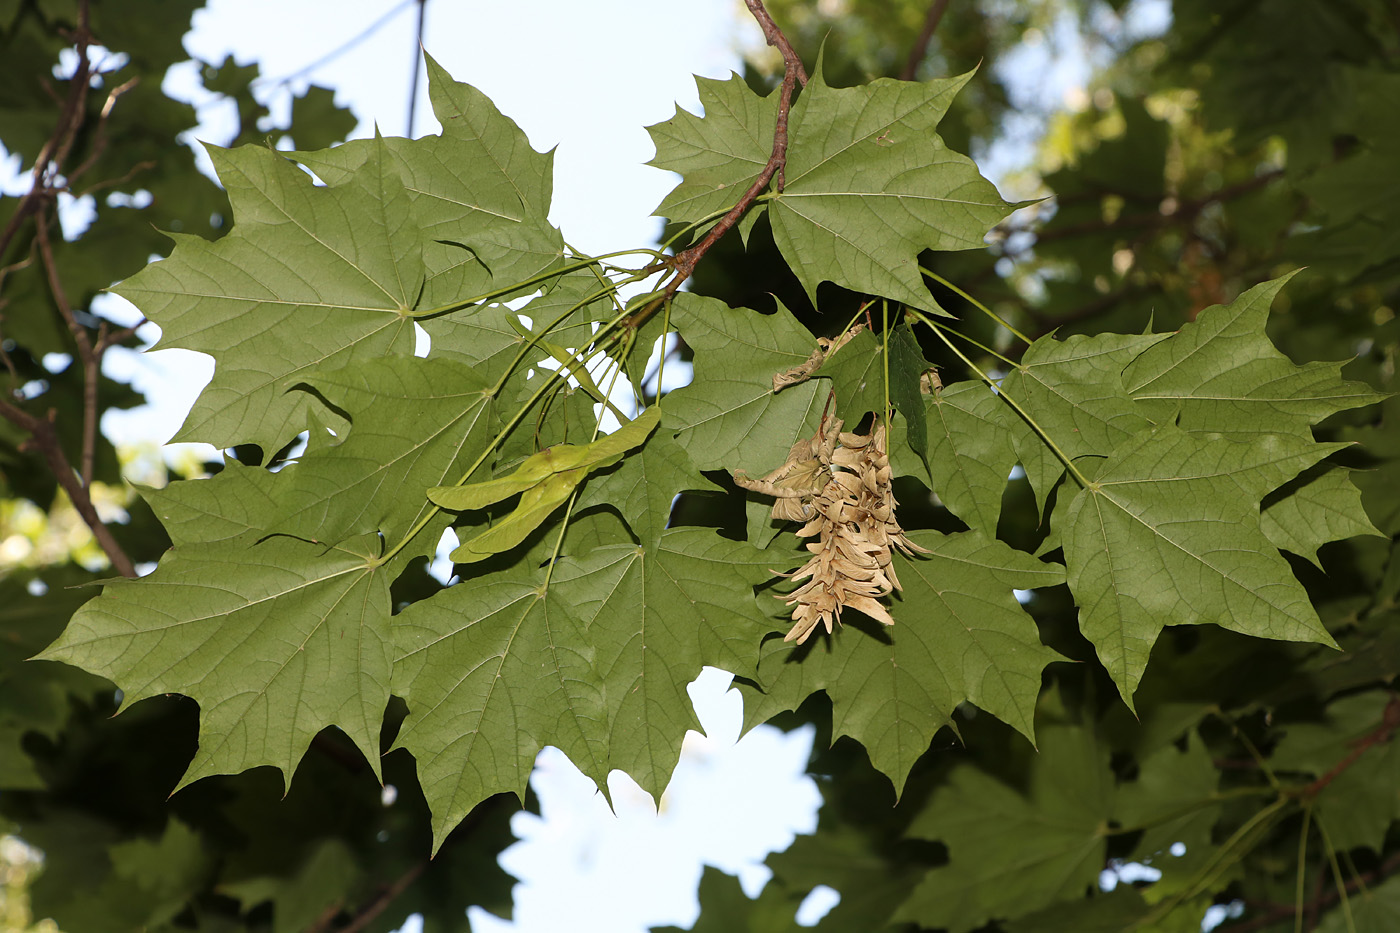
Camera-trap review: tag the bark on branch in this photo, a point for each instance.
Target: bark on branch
(47, 179)
(683, 264)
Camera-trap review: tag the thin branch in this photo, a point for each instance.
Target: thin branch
(49, 163)
(43, 438)
(775, 38)
(15, 381)
(793, 74)
(92, 360)
(1275, 913)
(1185, 211)
(99, 143)
(46, 180)
(385, 898)
(1390, 721)
(916, 54)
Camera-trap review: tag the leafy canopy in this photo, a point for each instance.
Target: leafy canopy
(273, 609)
(1175, 493)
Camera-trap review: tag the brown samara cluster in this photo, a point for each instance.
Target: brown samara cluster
(838, 484)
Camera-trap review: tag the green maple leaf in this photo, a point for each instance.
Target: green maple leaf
(1104, 912)
(492, 671)
(314, 277)
(1320, 506)
(292, 287)
(1221, 373)
(36, 697)
(1168, 533)
(1174, 800)
(643, 486)
(1027, 848)
(1073, 389)
(412, 422)
(970, 452)
(480, 194)
(1375, 908)
(907, 368)
(869, 185)
(959, 635)
(857, 374)
(725, 908)
(595, 664)
(490, 338)
(275, 642)
(720, 154)
(845, 857)
(729, 417)
(326, 878)
(655, 617)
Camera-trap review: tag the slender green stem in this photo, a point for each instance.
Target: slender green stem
(975, 303)
(573, 497)
(714, 215)
(1190, 808)
(1355, 875)
(933, 322)
(885, 333)
(847, 329)
(501, 435)
(1220, 861)
(525, 283)
(1300, 884)
(1074, 471)
(1259, 759)
(598, 274)
(665, 333)
(1337, 876)
(559, 541)
(535, 338)
(655, 254)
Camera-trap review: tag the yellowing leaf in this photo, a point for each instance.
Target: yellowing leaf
(536, 505)
(561, 458)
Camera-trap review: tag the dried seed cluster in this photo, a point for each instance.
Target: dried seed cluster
(838, 484)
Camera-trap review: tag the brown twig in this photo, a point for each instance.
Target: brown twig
(15, 381)
(936, 10)
(43, 438)
(1184, 212)
(683, 264)
(92, 360)
(1321, 898)
(385, 898)
(49, 163)
(47, 179)
(1390, 721)
(1283, 911)
(99, 139)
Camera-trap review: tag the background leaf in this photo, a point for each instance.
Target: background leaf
(1012, 851)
